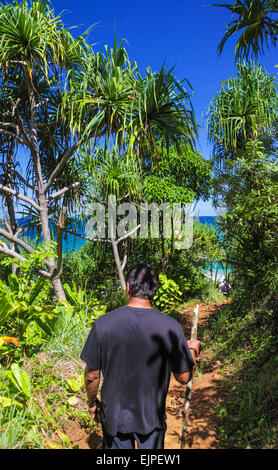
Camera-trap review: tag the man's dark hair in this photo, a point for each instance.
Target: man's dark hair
(143, 281)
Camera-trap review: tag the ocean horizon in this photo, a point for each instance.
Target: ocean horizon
(73, 242)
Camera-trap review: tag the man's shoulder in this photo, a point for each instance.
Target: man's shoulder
(166, 320)
(121, 312)
(108, 316)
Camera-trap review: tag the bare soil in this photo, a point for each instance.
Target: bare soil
(206, 393)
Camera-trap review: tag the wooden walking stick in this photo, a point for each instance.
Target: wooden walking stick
(185, 420)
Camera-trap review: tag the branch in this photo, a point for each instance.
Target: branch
(15, 105)
(86, 238)
(8, 124)
(64, 190)
(128, 234)
(8, 227)
(62, 162)
(41, 103)
(14, 239)
(20, 123)
(13, 135)
(101, 239)
(18, 231)
(90, 196)
(23, 180)
(47, 124)
(9, 235)
(124, 262)
(22, 62)
(4, 249)
(5, 189)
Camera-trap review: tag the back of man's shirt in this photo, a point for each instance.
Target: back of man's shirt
(136, 349)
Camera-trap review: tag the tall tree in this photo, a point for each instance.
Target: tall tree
(35, 46)
(162, 112)
(245, 106)
(132, 112)
(255, 20)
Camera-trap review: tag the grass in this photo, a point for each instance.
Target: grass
(12, 425)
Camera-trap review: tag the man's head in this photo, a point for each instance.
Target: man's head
(142, 281)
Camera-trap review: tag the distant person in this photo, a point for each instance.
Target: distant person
(136, 348)
(224, 287)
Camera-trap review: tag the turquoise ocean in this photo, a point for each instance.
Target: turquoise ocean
(72, 242)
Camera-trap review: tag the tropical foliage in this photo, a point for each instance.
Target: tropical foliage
(245, 107)
(91, 125)
(256, 22)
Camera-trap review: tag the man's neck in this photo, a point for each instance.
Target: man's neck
(139, 303)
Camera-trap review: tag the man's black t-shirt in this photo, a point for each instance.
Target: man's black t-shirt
(136, 349)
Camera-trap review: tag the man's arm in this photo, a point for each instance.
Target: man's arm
(194, 346)
(92, 378)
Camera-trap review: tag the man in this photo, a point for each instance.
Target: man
(136, 347)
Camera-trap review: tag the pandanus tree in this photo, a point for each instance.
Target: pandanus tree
(257, 24)
(36, 48)
(116, 179)
(132, 114)
(62, 96)
(162, 112)
(129, 111)
(7, 174)
(101, 94)
(245, 106)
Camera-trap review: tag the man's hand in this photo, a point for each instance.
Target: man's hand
(93, 411)
(195, 347)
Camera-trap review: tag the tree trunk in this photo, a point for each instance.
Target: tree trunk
(9, 197)
(43, 202)
(163, 257)
(56, 281)
(119, 265)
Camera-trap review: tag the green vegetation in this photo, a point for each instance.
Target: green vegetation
(92, 125)
(244, 340)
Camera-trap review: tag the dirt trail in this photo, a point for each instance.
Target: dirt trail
(205, 393)
(201, 432)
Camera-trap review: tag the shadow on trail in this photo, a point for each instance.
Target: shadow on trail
(95, 440)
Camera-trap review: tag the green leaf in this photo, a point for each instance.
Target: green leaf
(20, 379)
(73, 384)
(6, 402)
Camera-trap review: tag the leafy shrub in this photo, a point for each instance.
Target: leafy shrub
(168, 294)
(24, 298)
(68, 328)
(20, 303)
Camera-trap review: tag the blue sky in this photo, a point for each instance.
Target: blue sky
(180, 33)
